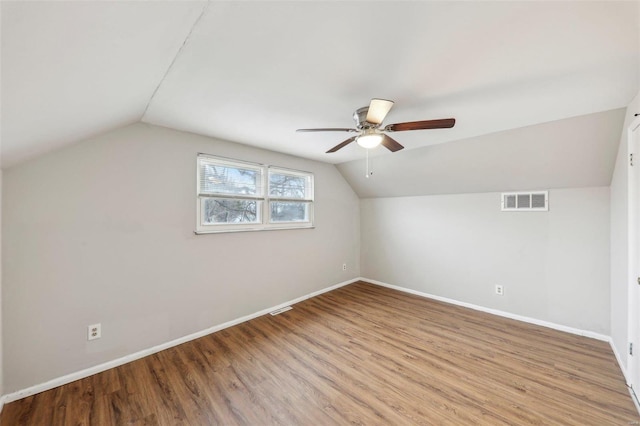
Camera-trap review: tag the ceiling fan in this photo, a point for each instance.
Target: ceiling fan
(370, 134)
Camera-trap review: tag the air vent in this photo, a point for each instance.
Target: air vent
(281, 310)
(525, 201)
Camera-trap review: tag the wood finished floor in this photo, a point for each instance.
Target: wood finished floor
(360, 354)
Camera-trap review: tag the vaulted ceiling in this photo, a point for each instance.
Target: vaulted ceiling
(254, 71)
(569, 153)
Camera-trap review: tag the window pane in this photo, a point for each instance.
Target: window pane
(289, 185)
(289, 211)
(221, 210)
(227, 179)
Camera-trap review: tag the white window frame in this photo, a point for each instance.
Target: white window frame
(308, 199)
(264, 199)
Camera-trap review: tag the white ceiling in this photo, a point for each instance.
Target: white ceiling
(569, 153)
(254, 71)
(71, 70)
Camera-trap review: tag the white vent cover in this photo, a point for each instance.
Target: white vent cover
(525, 201)
(281, 310)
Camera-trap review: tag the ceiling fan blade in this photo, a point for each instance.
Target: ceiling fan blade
(329, 129)
(378, 110)
(391, 144)
(444, 123)
(342, 145)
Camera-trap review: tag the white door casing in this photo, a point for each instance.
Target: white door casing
(633, 158)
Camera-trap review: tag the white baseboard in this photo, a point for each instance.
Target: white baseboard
(625, 373)
(510, 315)
(32, 390)
(530, 320)
(619, 359)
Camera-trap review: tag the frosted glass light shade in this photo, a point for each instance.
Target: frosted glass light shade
(369, 140)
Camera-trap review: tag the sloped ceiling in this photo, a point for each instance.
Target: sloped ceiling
(71, 70)
(254, 71)
(574, 152)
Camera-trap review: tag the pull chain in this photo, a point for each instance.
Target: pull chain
(367, 171)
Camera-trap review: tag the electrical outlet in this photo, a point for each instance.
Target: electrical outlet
(499, 290)
(94, 331)
(344, 266)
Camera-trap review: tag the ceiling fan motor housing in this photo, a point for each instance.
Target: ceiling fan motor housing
(360, 117)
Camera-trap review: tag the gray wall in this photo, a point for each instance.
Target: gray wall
(103, 232)
(619, 241)
(554, 265)
(1, 329)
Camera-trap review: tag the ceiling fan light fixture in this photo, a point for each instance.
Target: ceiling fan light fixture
(370, 134)
(369, 140)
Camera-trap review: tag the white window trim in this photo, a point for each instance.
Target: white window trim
(264, 199)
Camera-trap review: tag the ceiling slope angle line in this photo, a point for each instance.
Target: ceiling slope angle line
(250, 66)
(173, 61)
(76, 69)
(371, 134)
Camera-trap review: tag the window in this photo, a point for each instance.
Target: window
(525, 201)
(235, 196)
(290, 196)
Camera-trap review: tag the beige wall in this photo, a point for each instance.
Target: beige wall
(102, 232)
(554, 265)
(1, 329)
(619, 240)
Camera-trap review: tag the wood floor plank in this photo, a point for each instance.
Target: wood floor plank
(361, 354)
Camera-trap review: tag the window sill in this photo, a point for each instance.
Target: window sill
(269, 228)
